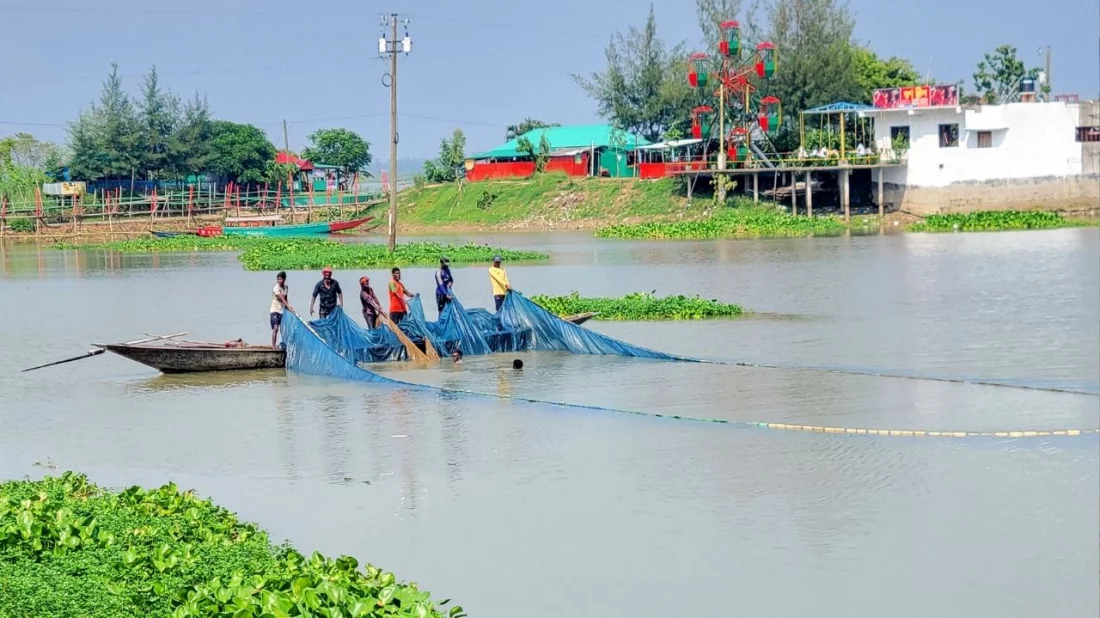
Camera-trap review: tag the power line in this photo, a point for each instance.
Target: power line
(457, 121)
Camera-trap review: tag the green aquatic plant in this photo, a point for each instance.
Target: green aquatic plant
(740, 222)
(309, 254)
(70, 548)
(994, 220)
(173, 244)
(640, 306)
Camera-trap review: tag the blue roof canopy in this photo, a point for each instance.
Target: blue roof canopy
(839, 107)
(583, 136)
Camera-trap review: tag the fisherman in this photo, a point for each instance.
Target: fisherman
(499, 278)
(329, 291)
(371, 307)
(443, 283)
(517, 364)
(278, 303)
(398, 307)
(456, 355)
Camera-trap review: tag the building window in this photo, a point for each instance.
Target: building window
(895, 132)
(1088, 134)
(949, 136)
(985, 139)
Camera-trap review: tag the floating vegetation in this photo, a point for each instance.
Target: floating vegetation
(994, 220)
(310, 254)
(640, 306)
(70, 548)
(173, 244)
(740, 222)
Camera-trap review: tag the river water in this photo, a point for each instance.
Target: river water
(521, 509)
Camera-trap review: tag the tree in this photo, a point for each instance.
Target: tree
(999, 75)
(528, 124)
(105, 138)
(24, 150)
(452, 155)
(814, 38)
(340, 147)
(872, 73)
(643, 89)
(540, 155)
(191, 141)
(160, 119)
(240, 152)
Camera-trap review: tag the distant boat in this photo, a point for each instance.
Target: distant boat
(268, 226)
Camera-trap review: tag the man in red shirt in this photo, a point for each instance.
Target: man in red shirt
(398, 307)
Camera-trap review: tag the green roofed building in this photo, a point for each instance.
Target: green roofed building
(582, 150)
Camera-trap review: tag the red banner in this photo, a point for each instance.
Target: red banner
(916, 96)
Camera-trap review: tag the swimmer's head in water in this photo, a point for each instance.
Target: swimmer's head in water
(517, 364)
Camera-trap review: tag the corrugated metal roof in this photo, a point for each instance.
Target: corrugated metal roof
(676, 143)
(839, 106)
(578, 136)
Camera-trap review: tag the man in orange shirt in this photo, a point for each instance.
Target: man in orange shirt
(398, 307)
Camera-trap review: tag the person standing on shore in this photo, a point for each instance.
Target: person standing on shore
(398, 307)
(279, 302)
(499, 278)
(328, 289)
(443, 282)
(371, 307)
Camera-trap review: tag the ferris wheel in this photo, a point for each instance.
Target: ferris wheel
(736, 81)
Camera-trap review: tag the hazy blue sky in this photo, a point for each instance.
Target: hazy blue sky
(314, 63)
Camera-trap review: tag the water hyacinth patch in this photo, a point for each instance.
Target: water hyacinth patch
(640, 306)
(70, 548)
(741, 222)
(173, 244)
(994, 220)
(310, 254)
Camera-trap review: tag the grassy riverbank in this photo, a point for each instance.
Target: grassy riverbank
(70, 548)
(640, 306)
(311, 253)
(544, 202)
(993, 221)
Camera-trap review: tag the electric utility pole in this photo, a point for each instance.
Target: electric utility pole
(393, 46)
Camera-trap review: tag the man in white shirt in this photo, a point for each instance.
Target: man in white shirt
(279, 302)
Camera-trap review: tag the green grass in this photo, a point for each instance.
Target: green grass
(996, 220)
(310, 254)
(70, 548)
(744, 220)
(543, 199)
(640, 306)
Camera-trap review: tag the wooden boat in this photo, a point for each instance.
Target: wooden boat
(161, 234)
(269, 226)
(580, 318)
(187, 357)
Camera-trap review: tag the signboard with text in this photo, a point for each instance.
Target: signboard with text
(910, 97)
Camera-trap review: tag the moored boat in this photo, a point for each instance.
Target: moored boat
(255, 226)
(580, 318)
(180, 357)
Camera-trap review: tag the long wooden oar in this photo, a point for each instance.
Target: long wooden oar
(414, 352)
(98, 351)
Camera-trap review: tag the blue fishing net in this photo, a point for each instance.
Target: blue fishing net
(519, 326)
(307, 353)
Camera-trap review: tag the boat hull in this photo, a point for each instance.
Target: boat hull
(200, 358)
(302, 229)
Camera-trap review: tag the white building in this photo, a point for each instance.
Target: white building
(986, 157)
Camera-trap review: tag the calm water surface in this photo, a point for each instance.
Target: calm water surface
(520, 509)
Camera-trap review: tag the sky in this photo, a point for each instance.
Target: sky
(477, 65)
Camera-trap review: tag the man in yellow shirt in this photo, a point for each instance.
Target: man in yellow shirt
(499, 278)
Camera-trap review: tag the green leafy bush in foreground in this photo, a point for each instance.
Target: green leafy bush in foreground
(740, 222)
(994, 220)
(640, 306)
(309, 254)
(69, 548)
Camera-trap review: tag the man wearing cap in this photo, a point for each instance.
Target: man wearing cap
(499, 278)
(328, 289)
(371, 307)
(443, 283)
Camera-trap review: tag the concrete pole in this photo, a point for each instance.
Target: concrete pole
(845, 194)
(755, 187)
(881, 195)
(809, 194)
(392, 240)
(794, 193)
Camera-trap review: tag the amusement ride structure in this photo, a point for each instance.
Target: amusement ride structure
(737, 82)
